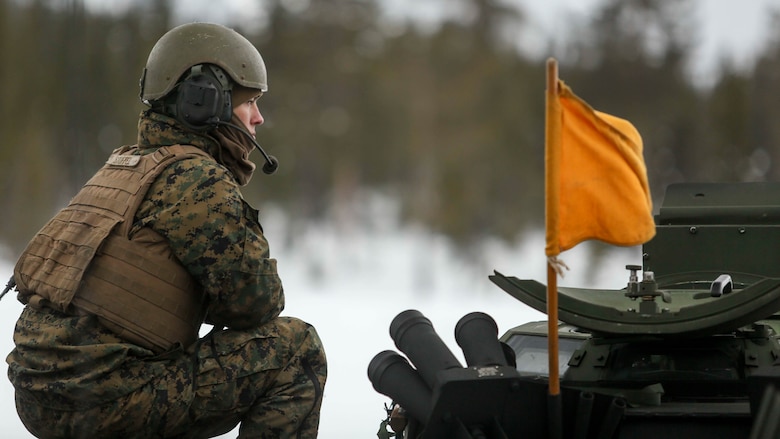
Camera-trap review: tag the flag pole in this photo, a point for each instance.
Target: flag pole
(552, 158)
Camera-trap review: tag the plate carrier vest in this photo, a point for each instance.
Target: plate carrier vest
(83, 261)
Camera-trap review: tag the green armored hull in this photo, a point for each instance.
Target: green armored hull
(689, 348)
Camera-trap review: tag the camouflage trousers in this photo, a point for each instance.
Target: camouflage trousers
(269, 379)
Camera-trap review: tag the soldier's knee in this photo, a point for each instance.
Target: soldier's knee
(301, 334)
(308, 344)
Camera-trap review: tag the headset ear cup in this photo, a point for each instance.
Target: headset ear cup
(201, 102)
(197, 102)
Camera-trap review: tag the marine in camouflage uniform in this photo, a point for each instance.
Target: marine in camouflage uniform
(75, 378)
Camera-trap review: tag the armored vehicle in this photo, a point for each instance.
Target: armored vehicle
(688, 349)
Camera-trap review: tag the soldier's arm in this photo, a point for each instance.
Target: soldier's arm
(216, 235)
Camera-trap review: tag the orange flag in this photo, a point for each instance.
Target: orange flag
(596, 177)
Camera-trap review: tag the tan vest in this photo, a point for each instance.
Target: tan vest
(83, 262)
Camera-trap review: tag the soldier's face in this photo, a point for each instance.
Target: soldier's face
(249, 114)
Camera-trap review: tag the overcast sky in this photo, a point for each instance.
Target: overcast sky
(734, 29)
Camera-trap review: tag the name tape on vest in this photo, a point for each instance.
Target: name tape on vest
(123, 160)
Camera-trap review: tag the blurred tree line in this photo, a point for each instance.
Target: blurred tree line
(450, 121)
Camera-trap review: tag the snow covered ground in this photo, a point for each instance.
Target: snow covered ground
(350, 282)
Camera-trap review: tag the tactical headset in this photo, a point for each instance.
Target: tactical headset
(203, 97)
(203, 101)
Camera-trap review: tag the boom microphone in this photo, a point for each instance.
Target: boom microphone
(271, 163)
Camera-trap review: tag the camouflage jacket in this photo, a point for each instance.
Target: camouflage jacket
(197, 206)
(213, 232)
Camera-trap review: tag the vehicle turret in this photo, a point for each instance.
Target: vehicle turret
(688, 348)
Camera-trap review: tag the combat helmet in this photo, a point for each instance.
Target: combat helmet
(192, 44)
